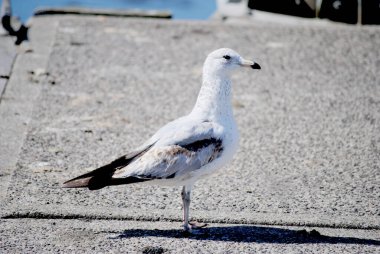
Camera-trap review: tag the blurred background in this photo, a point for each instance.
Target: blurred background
(347, 11)
(180, 9)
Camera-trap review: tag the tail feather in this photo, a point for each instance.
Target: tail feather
(94, 180)
(77, 183)
(102, 177)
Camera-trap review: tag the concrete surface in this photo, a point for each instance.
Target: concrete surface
(100, 236)
(309, 123)
(18, 101)
(7, 56)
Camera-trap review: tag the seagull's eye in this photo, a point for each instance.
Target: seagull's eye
(227, 57)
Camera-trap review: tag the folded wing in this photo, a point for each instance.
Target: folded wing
(172, 161)
(170, 153)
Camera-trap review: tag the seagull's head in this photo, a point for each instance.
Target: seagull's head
(222, 61)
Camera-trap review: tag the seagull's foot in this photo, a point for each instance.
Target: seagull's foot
(115, 236)
(196, 224)
(193, 225)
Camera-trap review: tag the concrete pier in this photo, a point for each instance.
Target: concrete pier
(306, 177)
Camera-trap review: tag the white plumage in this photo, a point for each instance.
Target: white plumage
(188, 148)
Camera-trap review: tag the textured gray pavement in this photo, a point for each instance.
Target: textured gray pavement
(17, 102)
(110, 236)
(96, 87)
(7, 56)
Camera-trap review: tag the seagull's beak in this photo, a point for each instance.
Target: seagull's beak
(248, 63)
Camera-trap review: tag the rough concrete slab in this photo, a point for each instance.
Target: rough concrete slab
(88, 236)
(309, 121)
(7, 55)
(53, 211)
(19, 99)
(3, 82)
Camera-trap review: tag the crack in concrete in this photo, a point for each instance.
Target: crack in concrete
(42, 216)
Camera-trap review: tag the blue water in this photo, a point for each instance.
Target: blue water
(180, 9)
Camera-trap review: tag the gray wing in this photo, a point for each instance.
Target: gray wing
(177, 151)
(184, 131)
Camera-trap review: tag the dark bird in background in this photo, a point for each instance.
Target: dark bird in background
(6, 20)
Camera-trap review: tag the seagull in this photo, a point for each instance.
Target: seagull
(186, 149)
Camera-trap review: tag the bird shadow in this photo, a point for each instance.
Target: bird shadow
(250, 234)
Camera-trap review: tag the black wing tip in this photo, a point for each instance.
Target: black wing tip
(77, 183)
(102, 177)
(96, 182)
(92, 182)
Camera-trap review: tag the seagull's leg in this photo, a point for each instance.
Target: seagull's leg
(186, 190)
(188, 225)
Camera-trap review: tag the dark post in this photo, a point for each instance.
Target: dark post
(370, 11)
(340, 10)
(301, 8)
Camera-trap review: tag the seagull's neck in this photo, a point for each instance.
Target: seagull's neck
(214, 99)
